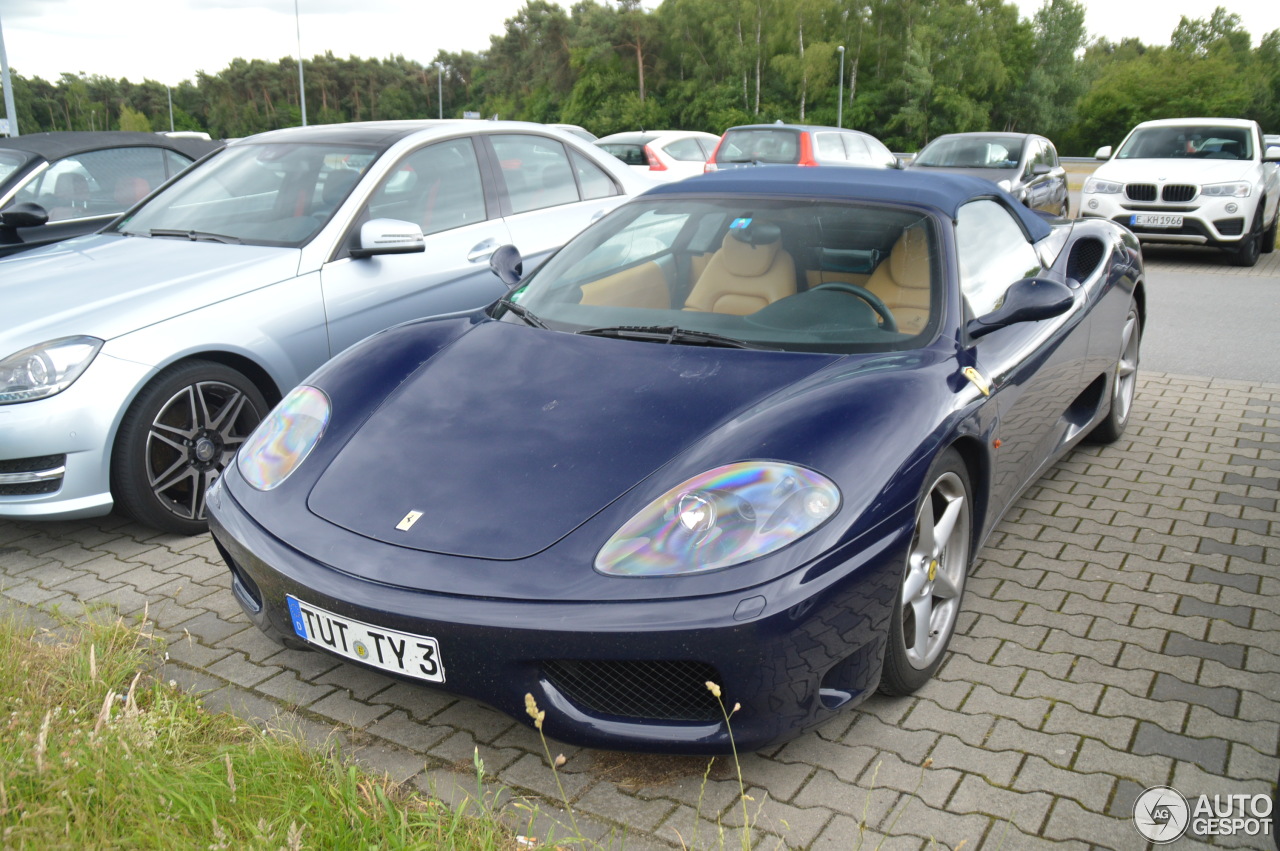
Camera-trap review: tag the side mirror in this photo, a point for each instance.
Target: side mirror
(1041, 168)
(388, 236)
(1028, 300)
(1271, 154)
(1103, 153)
(24, 215)
(507, 264)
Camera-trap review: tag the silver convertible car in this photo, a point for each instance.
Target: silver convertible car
(134, 362)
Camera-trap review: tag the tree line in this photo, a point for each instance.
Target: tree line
(910, 70)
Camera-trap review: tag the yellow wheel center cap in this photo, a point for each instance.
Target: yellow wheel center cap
(933, 570)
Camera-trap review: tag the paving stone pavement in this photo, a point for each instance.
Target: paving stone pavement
(1121, 630)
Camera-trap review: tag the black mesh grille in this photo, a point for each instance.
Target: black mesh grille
(1140, 192)
(1085, 256)
(32, 465)
(663, 691)
(1178, 193)
(1229, 227)
(31, 488)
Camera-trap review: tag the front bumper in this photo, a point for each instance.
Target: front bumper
(55, 453)
(1222, 222)
(619, 675)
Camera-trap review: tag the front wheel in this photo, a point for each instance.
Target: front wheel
(928, 602)
(176, 439)
(1250, 248)
(1124, 385)
(1269, 237)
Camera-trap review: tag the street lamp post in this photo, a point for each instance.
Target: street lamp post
(840, 103)
(10, 113)
(302, 89)
(440, 89)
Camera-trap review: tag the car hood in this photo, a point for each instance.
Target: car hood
(106, 285)
(1176, 171)
(508, 439)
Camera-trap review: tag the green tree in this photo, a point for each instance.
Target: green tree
(131, 119)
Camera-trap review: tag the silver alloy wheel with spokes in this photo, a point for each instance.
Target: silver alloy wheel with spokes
(183, 428)
(193, 437)
(1126, 381)
(936, 567)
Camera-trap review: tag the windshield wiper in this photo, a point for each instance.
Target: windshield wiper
(671, 334)
(194, 235)
(523, 312)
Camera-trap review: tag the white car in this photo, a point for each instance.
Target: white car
(662, 155)
(134, 361)
(1191, 181)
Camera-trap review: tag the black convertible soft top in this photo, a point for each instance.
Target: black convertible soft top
(52, 146)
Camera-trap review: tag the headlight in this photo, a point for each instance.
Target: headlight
(723, 517)
(282, 441)
(45, 370)
(1096, 186)
(1239, 189)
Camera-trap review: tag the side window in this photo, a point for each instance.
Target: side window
(686, 150)
(993, 253)
(97, 183)
(437, 187)
(594, 181)
(829, 146)
(536, 172)
(1050, 155)
(856, 150)
(175, 163)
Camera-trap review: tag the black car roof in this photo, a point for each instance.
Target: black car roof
(60, 144)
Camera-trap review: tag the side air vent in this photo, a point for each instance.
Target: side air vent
(1085, 258)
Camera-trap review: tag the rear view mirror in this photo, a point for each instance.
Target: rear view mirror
(1103, 153)
(388, 236)
(1028, 300)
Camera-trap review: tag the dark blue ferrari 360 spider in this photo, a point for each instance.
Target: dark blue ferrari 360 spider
(749, 429)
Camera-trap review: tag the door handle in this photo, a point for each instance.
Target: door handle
(481, 252)
(597, 216)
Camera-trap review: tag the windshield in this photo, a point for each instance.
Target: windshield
(263, 194)
(969, 153)
(789, 274)
(1188, 142)
(765, 145)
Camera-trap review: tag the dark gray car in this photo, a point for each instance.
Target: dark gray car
(1023, 164)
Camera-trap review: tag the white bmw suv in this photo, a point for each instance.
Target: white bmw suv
(1194, 181)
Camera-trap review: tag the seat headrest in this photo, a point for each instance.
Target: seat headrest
(909, 260)
(748, 251)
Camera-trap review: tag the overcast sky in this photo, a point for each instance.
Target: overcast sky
(170, 40)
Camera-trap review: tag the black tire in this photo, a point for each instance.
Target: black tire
(1269, 235)
(1125, 384)
(933, 579)
(1250, 248)
(1065, 213)
(176, 438)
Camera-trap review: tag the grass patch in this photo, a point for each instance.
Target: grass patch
(95, 754)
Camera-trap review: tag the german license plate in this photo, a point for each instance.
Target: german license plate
(1155, 220)
(402, 653)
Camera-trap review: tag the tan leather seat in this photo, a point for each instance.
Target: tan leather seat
(71, 197)
(902, 280)
(750, 271)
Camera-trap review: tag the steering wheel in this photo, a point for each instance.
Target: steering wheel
(882, 310)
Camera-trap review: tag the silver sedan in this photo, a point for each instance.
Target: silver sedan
(134, 362)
